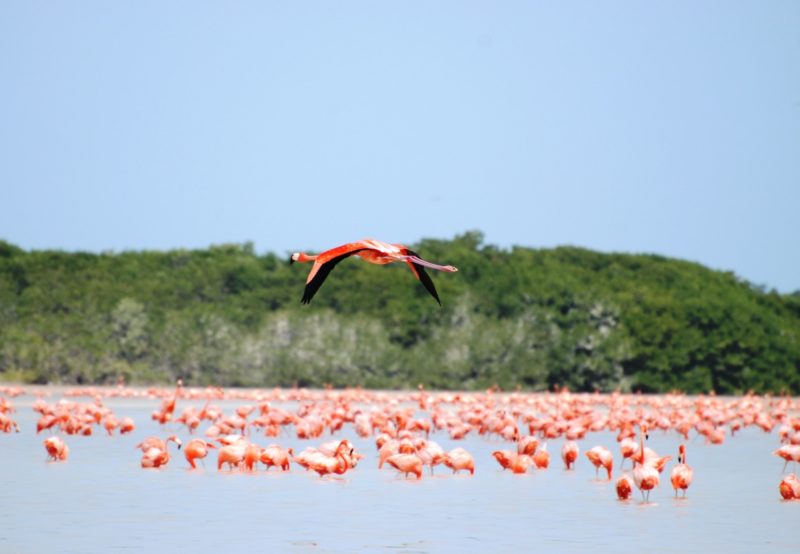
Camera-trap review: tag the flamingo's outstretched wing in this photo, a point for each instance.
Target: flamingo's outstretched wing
(321, 273)
(423, 276)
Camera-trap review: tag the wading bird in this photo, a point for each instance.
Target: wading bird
(196, 449)
(373, 251)
(569, 453)
(624, 487)
(789, 487)
(57, 449)
(681, 475)
(645, 474)
(601, 457)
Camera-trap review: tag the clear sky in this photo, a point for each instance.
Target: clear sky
(628, 126)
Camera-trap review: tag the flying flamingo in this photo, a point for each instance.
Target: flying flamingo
(681, 475)
(373, 251)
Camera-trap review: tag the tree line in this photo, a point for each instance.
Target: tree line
(525, 318)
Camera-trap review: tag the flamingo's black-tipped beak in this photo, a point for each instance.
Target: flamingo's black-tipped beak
(291, 260)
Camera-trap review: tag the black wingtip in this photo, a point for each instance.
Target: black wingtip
(308, 294)
(427, 282)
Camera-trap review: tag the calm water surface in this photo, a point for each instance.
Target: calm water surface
(100, 500)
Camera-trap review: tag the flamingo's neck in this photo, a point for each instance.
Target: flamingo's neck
(302, 257)
(641, 445)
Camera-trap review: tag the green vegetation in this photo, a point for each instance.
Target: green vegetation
(516, 318)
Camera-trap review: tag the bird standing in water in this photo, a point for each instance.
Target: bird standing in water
(373, 251)
(681, 475)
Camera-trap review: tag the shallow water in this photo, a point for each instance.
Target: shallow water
(100, 500)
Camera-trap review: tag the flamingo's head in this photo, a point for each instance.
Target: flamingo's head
(294, 257)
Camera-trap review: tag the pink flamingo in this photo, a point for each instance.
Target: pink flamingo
(681, 475)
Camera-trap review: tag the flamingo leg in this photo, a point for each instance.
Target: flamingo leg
(431, 265)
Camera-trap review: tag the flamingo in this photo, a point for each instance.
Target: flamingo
(126, 425)
(429, 452)
(57, 449)
(517, 463)
(155, 456)
(789, 453)
(196, 449)
(406, 463)
(628, 448)
(232, 454)
(274, 455)
(681, 475)
(542, 458)
(324, 464)
(789, 487)
(373, 251)
(252, 455)
(645, 475)
(458, 459)
(527, 445)
(569, 453)
(624, 487)
(504, 458)
(601, 456)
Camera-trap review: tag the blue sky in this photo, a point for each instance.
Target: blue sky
(670, 127)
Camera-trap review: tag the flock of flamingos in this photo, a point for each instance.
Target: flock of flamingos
(402, 423)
